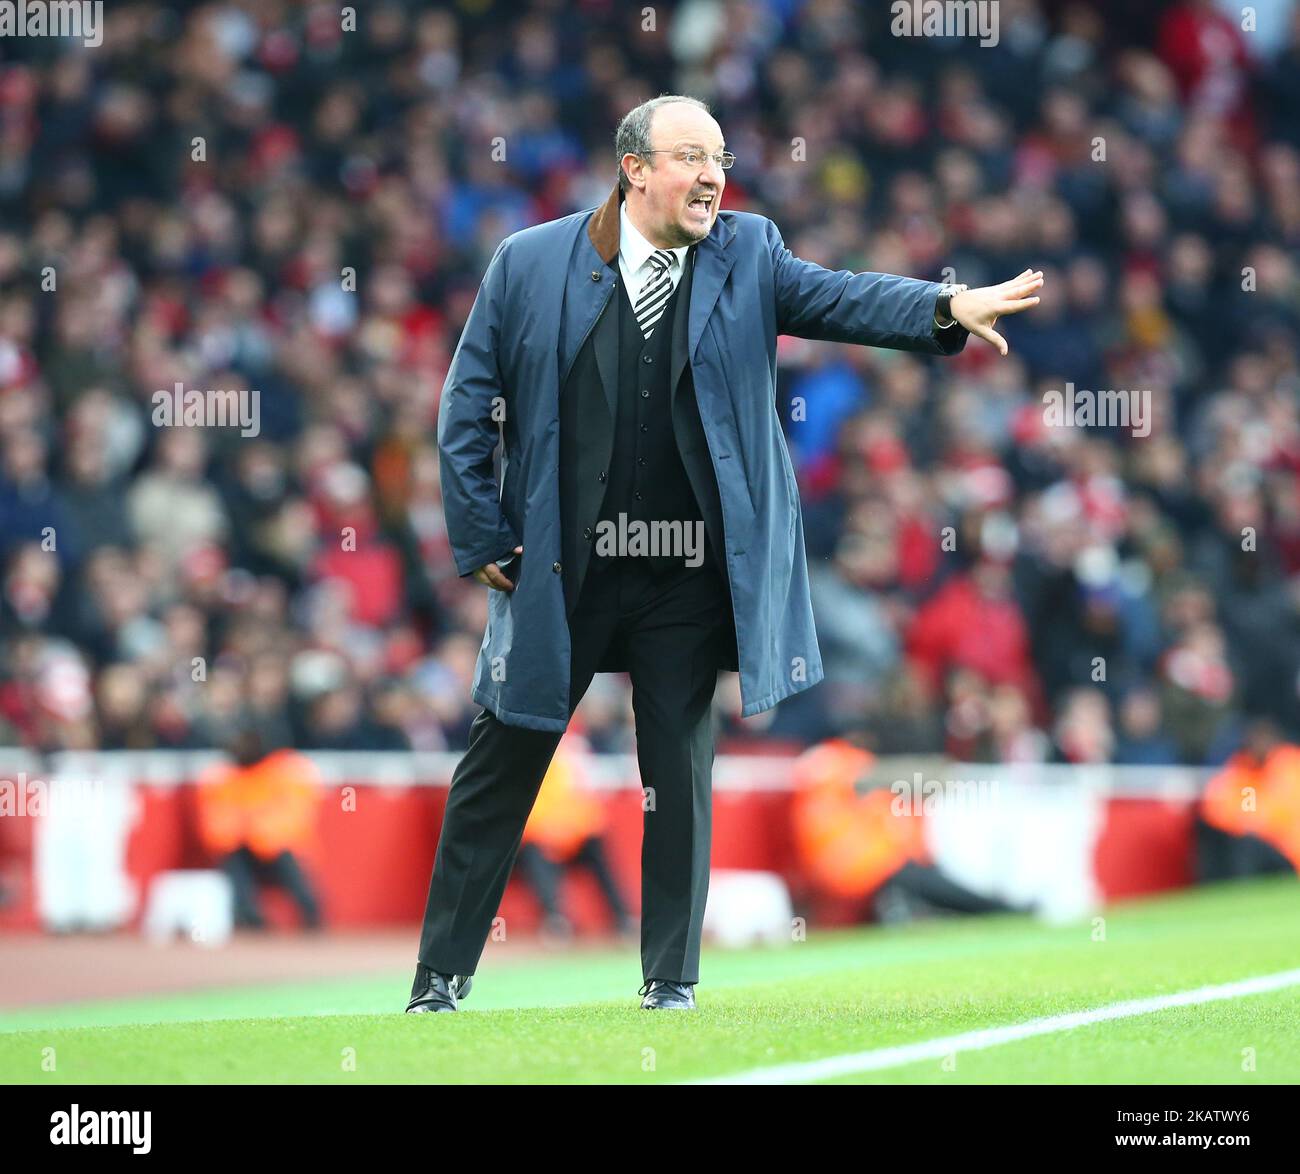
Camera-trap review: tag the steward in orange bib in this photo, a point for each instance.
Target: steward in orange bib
(857, 843)
(257, 816)
(566, 830)
(1249, 818)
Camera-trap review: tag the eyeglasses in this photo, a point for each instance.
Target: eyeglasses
(693, 157)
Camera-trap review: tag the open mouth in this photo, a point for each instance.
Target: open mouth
(702, 205)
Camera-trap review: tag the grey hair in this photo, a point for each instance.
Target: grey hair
(633, 134)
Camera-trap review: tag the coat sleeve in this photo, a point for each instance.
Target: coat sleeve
(873, 309)
(468, 432)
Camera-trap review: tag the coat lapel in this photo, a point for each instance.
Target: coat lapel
(677, 361)
(585, 291)
(713, 262)
(603, 234)
(606, 346)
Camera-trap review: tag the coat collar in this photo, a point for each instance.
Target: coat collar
(603, 228)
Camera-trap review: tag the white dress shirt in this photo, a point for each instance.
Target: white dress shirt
(634, 253)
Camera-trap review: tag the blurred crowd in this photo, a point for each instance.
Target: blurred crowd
(254, 195)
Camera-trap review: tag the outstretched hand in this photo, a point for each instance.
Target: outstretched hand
(979, 309)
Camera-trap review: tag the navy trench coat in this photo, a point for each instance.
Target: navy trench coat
(543, 291)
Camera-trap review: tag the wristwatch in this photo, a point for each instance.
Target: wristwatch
(942, 315)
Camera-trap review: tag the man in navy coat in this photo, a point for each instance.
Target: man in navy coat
(645, 517)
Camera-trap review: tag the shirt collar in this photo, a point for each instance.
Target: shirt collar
(634, 248)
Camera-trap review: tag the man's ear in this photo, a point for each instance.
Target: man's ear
(634, 168)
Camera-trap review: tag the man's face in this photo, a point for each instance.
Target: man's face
(665, 198)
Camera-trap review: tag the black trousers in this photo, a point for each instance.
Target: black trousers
(930, 888)
(672, 628)
(245, 871)
(1223, 856)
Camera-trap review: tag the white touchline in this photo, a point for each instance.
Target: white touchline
(991, 1037)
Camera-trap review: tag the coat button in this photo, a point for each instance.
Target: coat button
(646, 359)
(556, 568)
(638, 497)
(645, 395)
(640, 460)
(595, 275)
(645, 427)
(586, 531)
(601, 477)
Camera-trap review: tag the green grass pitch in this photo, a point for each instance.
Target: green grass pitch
(576, 1019)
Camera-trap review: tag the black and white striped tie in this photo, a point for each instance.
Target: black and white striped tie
(654, 296)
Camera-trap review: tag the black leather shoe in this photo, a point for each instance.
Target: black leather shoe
(663, 995)
(433, 991)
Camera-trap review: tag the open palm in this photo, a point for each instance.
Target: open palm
(979, 309)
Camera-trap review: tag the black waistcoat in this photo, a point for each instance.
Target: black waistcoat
(607, 427)
(647, 480)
